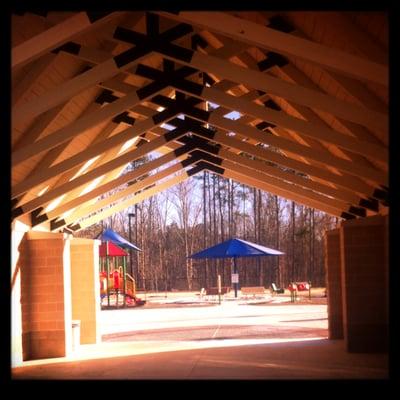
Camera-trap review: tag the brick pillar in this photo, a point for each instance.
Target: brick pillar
(85, 287)
(365, 284)
(334, 284)
(19, 257)
(45, 296)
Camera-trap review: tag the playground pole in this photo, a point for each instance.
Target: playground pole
(123, 273)
(115, 264)
(108, 272)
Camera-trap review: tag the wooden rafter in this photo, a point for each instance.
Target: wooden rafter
(258, 80)
(55, 36)
(131, 201)
(322, 150)
(284, 43)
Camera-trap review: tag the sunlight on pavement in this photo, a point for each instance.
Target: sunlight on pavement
(122, 349)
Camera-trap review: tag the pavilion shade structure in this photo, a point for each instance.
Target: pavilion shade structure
(91, 92)
(117, 240)
(236, 248)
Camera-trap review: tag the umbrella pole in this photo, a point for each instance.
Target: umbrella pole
(235, 272)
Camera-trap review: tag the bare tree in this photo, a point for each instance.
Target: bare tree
(188, 214)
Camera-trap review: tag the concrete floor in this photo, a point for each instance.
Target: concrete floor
(228, 341)
(308, 359)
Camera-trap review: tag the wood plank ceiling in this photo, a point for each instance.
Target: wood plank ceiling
(91, 92)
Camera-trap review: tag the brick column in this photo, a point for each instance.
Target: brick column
(19, 257)
(334, 284)
(365, 284)
(45, 296)
(85, 287)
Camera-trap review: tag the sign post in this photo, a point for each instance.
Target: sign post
(235, 281)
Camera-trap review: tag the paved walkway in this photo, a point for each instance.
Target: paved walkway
(233, 340)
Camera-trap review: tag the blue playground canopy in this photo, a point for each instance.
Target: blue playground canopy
(110, 235)
(236, 248)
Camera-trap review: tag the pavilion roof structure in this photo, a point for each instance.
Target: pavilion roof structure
(91, 93)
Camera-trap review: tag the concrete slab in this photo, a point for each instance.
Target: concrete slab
(227, 341)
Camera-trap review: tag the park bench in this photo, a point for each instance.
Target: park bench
(276, 290)
(252, 290)
(213, 291)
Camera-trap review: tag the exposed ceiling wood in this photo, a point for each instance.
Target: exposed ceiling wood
(90, 93)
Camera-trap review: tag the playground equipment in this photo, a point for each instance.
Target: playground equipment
(117, 287)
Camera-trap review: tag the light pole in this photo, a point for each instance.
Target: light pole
(130, 215)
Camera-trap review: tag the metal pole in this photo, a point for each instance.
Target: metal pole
(136, 276)
(219, 289)
(108, 272)
(116, 269)
(124, 277)
(130, 215)
(235, 272)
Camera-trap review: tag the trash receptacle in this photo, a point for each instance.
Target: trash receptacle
(76, 334)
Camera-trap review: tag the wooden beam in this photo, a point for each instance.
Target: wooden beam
(65, 91)
(96, 149)
(327, 158)
(131, 201)
(41, 123)
(55, 36)
(284, 43)
(314, 130)
(85, 155)
(261, 81)
(97, 161)
(225, 85)
(309, 128)
(37, 69)
(347, 183)
(72, 87)
(284, 144)
(360, 132)
(295, 93)
(104, 168)
(106, 187)
(71, 173)
(261, 167)
(288, 194)
(114, 199)
(291, 72)
(358, 40)
(68, 132)
(78, 159)
(306, 194)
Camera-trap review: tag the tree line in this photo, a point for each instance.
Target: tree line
(205, 210)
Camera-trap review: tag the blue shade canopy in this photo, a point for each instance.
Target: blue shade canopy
(236, 248)
(110, 235)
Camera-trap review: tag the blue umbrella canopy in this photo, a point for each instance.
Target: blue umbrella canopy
(110, 235)
(234, 248)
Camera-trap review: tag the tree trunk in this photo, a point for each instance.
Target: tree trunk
(292, 277)
(205, 229)
(222, 233)
(277, 233)
(215, 228)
